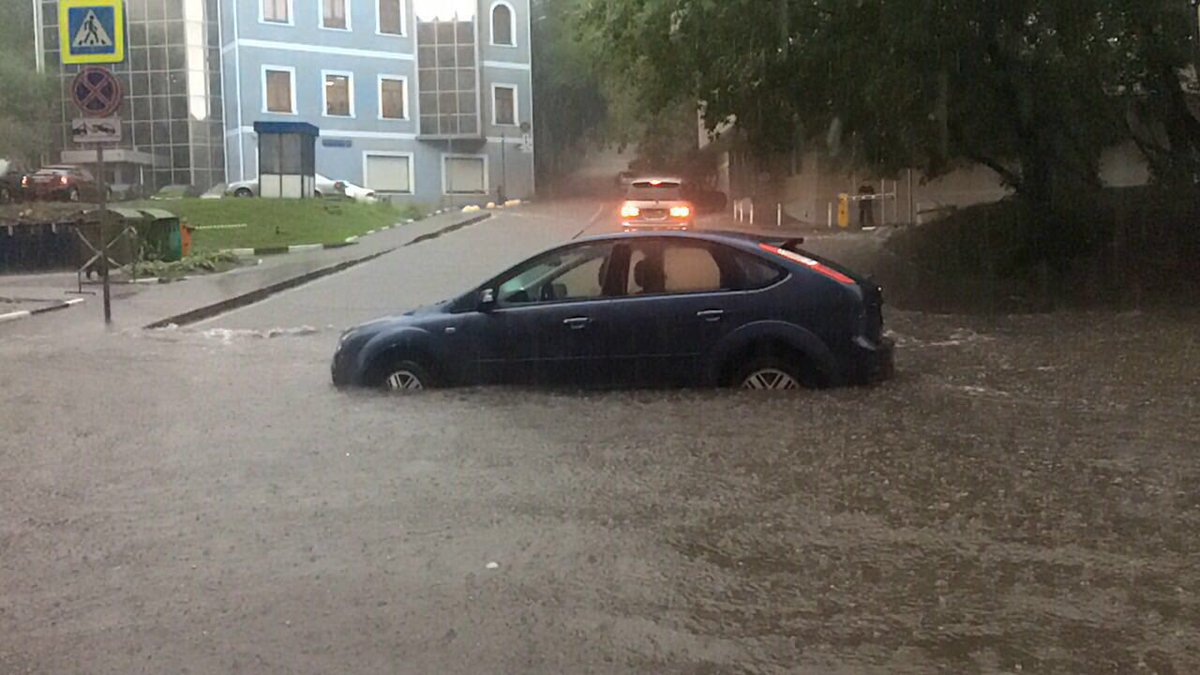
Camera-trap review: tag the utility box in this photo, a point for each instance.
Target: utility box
(287, 159)
(161, 235)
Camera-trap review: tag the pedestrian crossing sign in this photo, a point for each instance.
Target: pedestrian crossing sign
(92, 31)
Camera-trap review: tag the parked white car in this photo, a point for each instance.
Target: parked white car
(325, 187)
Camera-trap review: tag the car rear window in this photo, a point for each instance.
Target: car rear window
(645, 190)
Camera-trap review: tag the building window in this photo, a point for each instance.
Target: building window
(277, 11)
(504, 105)
(388, 172)
(393, 97)
(280, 92)
(464, 174)
(339, 94)
(335, 14)
(391, 17)
(504, 33)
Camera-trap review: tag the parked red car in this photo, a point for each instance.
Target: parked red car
(65, 182)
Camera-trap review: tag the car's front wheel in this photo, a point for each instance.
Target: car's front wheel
(769, 373)
(73, 195)
(243, 192)
(5, 195)
(406, 377)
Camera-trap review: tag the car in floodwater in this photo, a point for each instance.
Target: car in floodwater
(657, 204)
(649, 309)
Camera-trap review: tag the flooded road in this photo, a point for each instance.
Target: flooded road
(1021, 498)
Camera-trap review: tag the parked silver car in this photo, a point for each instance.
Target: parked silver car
(325, 187)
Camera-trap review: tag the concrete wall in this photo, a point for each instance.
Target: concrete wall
(808, 192)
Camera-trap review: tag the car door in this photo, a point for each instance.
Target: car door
(551, 319)
(681, 298)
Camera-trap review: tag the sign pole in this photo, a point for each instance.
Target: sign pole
(102, 181)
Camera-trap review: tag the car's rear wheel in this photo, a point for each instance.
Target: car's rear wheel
(5, 195)
(73, 195)
(406, 377)
(243, 192)
(770, 373)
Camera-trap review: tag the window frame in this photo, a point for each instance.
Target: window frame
(349, 21)
(714, 249)
(379, 93)
(512, 23)
(412, 175)
(266, 97)
(291, 14)
(325, 75)
(513, 272)
(403, 19)
(516, 123)
(487, 176)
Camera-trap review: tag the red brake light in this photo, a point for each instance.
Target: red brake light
(810, 263)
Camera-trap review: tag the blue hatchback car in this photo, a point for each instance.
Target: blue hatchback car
(638, 309)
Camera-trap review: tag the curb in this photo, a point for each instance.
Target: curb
(27, 313)
(261, 294)
(281, 250)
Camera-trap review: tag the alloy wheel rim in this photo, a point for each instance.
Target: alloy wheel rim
(404, 380)
(770, 379)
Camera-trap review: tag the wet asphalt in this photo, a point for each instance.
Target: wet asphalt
(1021, 498)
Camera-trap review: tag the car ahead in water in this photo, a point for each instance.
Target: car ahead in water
(63, 182)
(323, 187)
(656, 204)
(638, 309)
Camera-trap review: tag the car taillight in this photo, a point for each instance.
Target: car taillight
(681, 211)
(62, 180)
(813, 265)
(25, 181)
(630, 211)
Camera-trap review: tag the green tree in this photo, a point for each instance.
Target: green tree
(571, 108)
(1033, 89)
(27, 105)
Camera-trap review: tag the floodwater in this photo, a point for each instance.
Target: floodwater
(1021, 498)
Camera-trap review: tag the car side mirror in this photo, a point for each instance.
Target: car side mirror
(487, 299)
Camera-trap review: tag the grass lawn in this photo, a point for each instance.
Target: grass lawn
(279, 222)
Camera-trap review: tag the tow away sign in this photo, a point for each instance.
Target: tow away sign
(96, 130)
(92, 31)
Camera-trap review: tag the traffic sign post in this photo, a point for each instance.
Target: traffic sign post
(97, 93)
(91, 31)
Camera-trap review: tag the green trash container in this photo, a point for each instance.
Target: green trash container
(124, 248)
(161, 236)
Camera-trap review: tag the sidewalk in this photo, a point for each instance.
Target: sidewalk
(140, 305)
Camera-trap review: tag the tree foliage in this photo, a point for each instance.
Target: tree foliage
(27, 103)
(1034, 89)
(567, 95)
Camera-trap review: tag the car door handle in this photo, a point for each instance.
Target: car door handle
(577, 323)
(712, 315)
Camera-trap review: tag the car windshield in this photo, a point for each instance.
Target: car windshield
(654, 191)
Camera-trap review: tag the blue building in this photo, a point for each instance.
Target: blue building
(420, 100)
(432, 104)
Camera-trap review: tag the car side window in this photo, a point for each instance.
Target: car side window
(577, 273)
(755, 273)
(677, 267)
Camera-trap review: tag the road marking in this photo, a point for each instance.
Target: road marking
(13, 316)
(592, 222)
